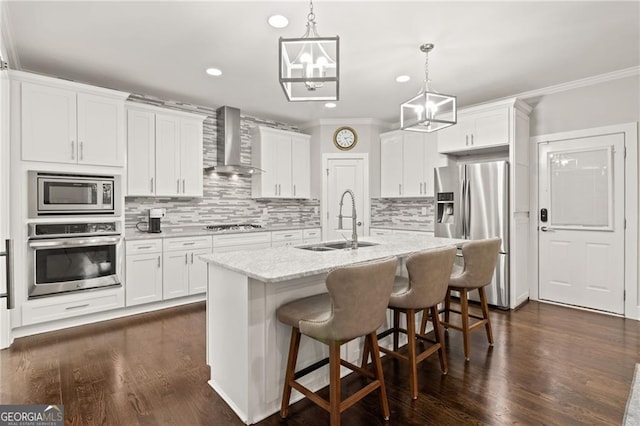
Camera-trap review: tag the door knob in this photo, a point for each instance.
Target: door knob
(545, 229)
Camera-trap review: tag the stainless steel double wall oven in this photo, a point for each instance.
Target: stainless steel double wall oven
(83, 248)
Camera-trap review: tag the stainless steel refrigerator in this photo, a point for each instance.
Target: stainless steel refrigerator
(472, 202)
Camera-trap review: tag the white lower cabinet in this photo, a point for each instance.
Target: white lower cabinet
(311, 236)
(184, 273)
(143, 282)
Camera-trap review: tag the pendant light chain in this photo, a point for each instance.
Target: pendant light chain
(426, 72)
(311, 22)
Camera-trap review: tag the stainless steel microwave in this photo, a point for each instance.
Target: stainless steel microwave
(65, 194)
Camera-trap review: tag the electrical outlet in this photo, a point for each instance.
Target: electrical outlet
(424, 211)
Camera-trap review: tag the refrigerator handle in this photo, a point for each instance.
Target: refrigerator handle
(463, 210)
(467, 214)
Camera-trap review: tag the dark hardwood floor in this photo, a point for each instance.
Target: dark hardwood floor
(550, 365)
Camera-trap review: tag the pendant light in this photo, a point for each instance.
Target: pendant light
(309, 67)
(429, 111)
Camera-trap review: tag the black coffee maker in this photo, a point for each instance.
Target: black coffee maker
(154, 220)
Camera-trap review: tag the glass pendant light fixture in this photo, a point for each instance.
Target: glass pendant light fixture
(309, 67)
(429, 111)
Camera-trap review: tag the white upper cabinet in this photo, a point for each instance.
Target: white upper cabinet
(478, 128)
(62, 124)
(407, 160)
(285, 160)
(164, 150)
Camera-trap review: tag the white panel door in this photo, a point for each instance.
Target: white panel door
(198, 271)
(141, 153)
(345, 174)
(48, 124)
(175, 274)
(191, 157)
(144, 278)
(391, 165)
(167, 155)
(581, 244)
(100, 130)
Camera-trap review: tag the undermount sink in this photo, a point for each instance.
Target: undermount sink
(336, 246)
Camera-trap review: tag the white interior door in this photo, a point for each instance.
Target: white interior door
(342, 174)
(581, 242)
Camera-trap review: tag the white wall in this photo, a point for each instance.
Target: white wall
(604, 104)
(368, 131)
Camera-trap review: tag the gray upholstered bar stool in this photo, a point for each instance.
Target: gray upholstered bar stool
(355, 306)
(480, 257)
(429, 273)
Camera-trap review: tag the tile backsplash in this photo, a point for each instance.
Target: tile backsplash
(225, 199)
(402, 213)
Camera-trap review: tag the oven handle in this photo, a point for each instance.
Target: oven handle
(75, 242)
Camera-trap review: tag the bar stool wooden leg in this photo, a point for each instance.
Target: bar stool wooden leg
(294, 344)
(464, 305)
(380, 376)
(413, 365)
(447, 306)
(423, 323)
(485, 314)
(366, 350)
(437, 331)
(334, 383)
(396, 326)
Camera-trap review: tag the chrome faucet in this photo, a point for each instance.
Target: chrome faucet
(354, 236)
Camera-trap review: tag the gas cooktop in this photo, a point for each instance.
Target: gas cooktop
(233, 227)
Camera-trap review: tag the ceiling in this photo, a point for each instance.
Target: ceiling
(483, 50)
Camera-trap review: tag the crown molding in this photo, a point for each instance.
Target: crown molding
(344, 122)
(7, 38)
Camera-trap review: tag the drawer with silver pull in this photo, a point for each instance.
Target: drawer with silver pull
(143, 246)
(187, 243)
(311, 233)
(286, 235)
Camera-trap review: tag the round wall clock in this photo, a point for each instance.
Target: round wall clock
(345, 138)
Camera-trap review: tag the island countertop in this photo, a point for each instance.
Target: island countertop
(286, 263)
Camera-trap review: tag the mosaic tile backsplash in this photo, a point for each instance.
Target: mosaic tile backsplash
(402, 213)
(226, 199)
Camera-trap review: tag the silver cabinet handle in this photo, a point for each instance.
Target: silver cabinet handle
(279, 189)
(178, 183)
(275, 190)
(294, 190)
(68, 308)
(471, 138)
(186, 258)
(184, 186)
(73, 150)
(192, 258)
(399, 189)
(189, 243)
(144, 247)
(466, 140)
(420, 188)
(152, 185)
(158, 261)
(81, 150)
(8, 253)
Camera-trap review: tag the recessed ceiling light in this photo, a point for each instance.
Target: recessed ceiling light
(278, 21)
(330, 105)
(214, 72)
(403, 78)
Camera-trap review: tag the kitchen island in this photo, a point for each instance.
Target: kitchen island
(246, 345)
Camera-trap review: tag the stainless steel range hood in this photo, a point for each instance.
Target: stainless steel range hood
(228, 144)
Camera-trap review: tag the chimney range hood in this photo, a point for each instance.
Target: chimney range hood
(228, 145)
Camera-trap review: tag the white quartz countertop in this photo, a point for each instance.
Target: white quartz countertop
(286, 263)
(132, 234)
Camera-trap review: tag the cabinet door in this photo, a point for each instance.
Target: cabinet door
(412, 164)
(391, 165)
(100, 130)
(432, 159)
(268, 143)
(283, 166)
(143, 278)
(491, 128)
(191, 158)
(198, 271)
(141, 152)
(454, 138)
(300, 167)
(167, 155)
(175, 274)
(48, 124)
